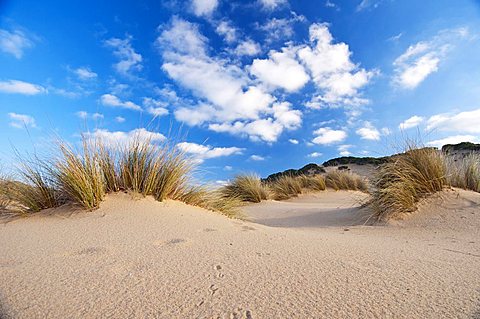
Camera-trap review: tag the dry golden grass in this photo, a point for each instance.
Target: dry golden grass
(286, 187)
(341, 180)
(402, 183)
(79, 176)
(312, 183)
(246, 187)
(464, 173)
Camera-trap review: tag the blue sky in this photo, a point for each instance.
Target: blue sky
(260, 85)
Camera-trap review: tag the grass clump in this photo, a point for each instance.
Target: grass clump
(286, 187)
(401, 183)
(245, 187)
(342, 180)
(313, 183)
(464, 173)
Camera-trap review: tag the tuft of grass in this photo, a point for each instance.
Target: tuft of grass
(286, 187)
(343, 180)
(37, 189)
(79, 176)
(401, 183)
(464, 173)
(246, 187)
(313, 183)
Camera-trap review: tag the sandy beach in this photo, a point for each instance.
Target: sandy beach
(146, 259)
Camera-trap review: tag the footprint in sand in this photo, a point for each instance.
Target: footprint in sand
(240, 314)
(247, 228)
(90, 251)
(208, 230)
(171, 242)
(219, 273)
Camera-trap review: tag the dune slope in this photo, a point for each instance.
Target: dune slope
(146, 259)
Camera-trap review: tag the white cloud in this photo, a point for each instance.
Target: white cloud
(120, 119)
(454, 140)
(366, 4)
(315, 155)
(272, 4)
(331, 4)
(20, 87)
(411, 122)
(203, 152)
(326, 136)
(84, 115)
(343, 150)
(112, 100)
(21, 120)
(467, 122)
(293, 141)
(204, 7)
(121, 138)
(368, 132)
(227, 168)
(423, 58)
(230, 102)
(85, 73)
(281, 70)
(14, 42)
(257, 158)
(226, 30)
(130, 60)
(337, 78)
(97, 116)
(154, 107)
(280, 29)
(248, 48)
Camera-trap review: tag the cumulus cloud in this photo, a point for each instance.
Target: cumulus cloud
(293, 141)
(281, 70)
(315, 155)
(467, 122)
(337, 79)
(327, 136)
(248, 48)
(454, 140)
(121, 138)
(112, 100)
(368, 132)
(21, 87)
(344, 150)
(225, 29)
(129, 60)
(120, 119)
(15, 42)
(204, 7)
(202, 152)
(154, 107)
(423, 58)
(411, 122)
(280, 29)
(257, 158)
(21, 120)
(272, 4)
(231, 103)
(84, 73)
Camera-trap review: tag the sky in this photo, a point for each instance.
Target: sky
(242, 86)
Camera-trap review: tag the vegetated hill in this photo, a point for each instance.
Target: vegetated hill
(345, 160)
(461, 147)
(309, 169)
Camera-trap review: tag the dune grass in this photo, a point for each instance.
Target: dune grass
(342, 180)
(247, 188)
(312, 183)
(465, 172)
(401, 183)
(286, 187)
(83, 176)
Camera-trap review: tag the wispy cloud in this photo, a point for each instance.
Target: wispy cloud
(112, 100)
(411, 122)
(21, 87)
(15, 42)
(21, 120)
(130, 61)
(85, 73)
(272, 4)
(202, 152)
(257, 158)
(204, 7)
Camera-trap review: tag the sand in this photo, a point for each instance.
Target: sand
(144, 259)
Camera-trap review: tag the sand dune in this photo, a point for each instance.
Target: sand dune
(144, 259)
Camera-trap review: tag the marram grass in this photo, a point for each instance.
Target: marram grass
(246, 187)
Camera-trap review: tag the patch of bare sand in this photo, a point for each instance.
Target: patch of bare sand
(146, 259)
